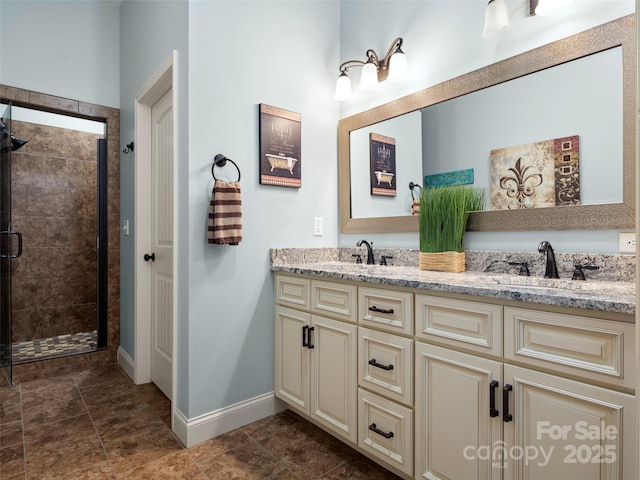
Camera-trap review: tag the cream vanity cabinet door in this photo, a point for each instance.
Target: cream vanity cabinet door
(333, 346)
(292, 357)
(457, 421)
(564, 429)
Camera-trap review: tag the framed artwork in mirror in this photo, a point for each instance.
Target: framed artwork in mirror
(536, 175)
(383, 165)
(280, 133)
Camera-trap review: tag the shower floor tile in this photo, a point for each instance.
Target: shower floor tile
(54, 346)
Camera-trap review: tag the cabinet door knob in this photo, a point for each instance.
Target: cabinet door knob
(148, 257)
(506, 416)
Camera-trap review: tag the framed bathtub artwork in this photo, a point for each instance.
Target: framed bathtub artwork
(280, 133)
(383, 165)
(534, 175)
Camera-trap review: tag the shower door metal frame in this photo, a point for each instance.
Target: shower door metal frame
(102, 295)
(6, 345)
(102, 244)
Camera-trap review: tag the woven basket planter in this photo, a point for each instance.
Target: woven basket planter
(442, 261)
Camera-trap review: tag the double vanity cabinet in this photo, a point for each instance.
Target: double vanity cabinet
(449, 386)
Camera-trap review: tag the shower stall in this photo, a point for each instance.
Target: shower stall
(53, 235)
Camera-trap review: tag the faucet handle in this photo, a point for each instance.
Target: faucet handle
(578, 274)
(524, 268)
(358, 257)
(384, 258)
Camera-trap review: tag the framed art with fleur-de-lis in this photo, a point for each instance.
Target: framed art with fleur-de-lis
(535, 175)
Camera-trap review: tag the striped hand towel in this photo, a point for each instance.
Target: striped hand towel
(225, 214)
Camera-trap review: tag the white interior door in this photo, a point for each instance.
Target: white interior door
(162, 243)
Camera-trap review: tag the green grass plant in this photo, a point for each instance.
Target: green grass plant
(443, 216)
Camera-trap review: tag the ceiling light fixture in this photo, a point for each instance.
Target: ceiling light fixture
(374, 70)
(496, 19)
(548, 8)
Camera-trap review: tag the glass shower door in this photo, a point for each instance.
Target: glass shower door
(5, 246)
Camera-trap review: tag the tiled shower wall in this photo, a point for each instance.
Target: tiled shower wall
(58, 366)
(54, 205)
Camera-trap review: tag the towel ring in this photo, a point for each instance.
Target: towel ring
(220, 160)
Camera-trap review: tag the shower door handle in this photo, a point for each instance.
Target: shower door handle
(19, 252)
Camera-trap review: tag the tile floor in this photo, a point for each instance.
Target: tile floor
(96, 424)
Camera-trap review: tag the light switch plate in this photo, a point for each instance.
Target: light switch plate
(317, 226)
(627, 242)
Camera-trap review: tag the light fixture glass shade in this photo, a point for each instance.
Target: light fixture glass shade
(343, 88)
(547, 8)
(369, 77)
(496, 19)
(398, 66)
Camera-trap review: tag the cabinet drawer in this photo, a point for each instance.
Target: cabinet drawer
(591, 348)
(385, 364)
(474, 326)
(386, 309)
(293, 291)
(386, 430)
(334, 299)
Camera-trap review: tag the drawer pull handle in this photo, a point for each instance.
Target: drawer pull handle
(379, 365)
(389, 311)
(373, 428)
(506, 416)
(492, 399)
(304, 336)
(309, 344)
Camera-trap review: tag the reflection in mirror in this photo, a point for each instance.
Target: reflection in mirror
(554, 103)
(459, 134)
(589, 92)
(407, 132)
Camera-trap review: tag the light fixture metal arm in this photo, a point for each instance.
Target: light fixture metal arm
(396, 46)
(350, 63)
(372, 57)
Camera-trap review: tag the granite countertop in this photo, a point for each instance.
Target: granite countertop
(608, 296)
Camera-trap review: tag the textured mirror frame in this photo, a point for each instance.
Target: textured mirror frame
(620, 32)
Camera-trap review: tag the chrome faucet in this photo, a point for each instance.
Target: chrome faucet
(551, 269)
(370, 259)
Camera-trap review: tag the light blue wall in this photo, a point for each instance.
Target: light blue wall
(241, 54)
(442, 40)
(65, 48)
(150, 31)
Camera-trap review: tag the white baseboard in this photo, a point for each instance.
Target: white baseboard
(126, 362)
(198, 429)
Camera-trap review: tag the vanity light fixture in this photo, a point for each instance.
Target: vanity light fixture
(496, 19)
(547, 8)
(374, 70)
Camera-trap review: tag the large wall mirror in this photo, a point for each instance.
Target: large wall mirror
(582, 85)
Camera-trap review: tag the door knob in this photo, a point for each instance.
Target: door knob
(148, 257)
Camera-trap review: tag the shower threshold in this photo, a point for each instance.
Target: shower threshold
(57, 346)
